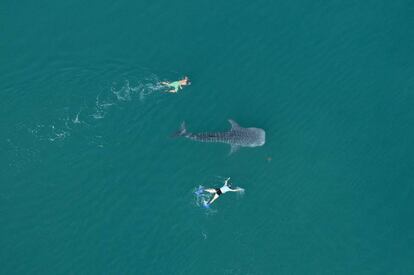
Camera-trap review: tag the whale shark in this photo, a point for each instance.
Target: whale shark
(237, 136)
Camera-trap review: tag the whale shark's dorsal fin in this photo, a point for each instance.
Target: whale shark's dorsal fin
(234, 124)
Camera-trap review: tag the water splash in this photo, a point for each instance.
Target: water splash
(101, 108)
(76, 119)
(104, 102)
(202, 198)
(124, 93)
(142, 88)
(51, 132)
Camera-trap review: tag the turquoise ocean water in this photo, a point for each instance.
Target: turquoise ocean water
(92, 183)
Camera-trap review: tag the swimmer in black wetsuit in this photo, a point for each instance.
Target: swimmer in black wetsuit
(224, 189)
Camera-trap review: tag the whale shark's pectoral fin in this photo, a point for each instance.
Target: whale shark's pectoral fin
(234, 124)
(234, 148)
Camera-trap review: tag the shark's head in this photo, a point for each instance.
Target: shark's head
(258, 137)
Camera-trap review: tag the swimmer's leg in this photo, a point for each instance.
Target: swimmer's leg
(210, 190)
(214, 198)
(173, 90)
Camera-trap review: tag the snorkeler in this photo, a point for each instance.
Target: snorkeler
(177, 85)
(219, 191)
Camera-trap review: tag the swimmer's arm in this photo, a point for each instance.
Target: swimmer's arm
(237, 189)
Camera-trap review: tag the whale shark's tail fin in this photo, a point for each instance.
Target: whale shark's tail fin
(182, 132)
